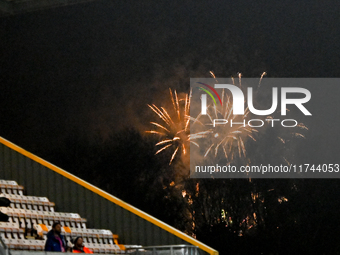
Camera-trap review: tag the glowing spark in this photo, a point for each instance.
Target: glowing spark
(163, 148)
(173, 155)
(164, 141)
(239, 79)
(229, 139)
(174, 126)
(158, 125)
(212, 74)
(263, 74)
(155, 132)
(283, 141)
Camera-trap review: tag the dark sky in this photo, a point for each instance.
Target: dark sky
(89, 70)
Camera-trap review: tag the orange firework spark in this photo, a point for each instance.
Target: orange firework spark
(174, 126)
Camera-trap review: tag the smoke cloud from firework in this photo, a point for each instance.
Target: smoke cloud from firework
(122, 103)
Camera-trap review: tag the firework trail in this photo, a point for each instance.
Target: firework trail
(173, 128)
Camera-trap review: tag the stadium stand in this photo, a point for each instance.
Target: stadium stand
(30, 218)
(31, 213)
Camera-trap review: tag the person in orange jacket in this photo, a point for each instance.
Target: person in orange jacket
(79, 246)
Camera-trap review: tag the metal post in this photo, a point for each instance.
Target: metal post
(4, 249)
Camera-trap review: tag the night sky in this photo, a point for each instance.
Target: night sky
(85, 72)
(91, 68)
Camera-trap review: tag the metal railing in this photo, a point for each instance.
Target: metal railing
(150, 250)
(165, 250)
(3, 248)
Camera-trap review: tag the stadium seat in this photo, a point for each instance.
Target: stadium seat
(32, 217)
(35, 245)
(13, 244)
(25, 217)
(29, 202)
(41, 229)
(8, 225)
(11, 187)
(100, 236)
(5, 182)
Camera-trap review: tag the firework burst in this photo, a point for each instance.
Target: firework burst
(173, 128)
(175, 122)
(225, 139)
(230, 140)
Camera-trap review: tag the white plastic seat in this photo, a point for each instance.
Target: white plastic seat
(40, 244)
(93, 248)
(96, 248)
(20, 216)
(111, 248)
(13, 244)
(24, 244)
(38, 213)
(29, 202)
(41, 229)
(11, 230)
(100, 236)
(104, 248)
(31, 244)
(8, 225)
(5, 182)
(11, 187)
